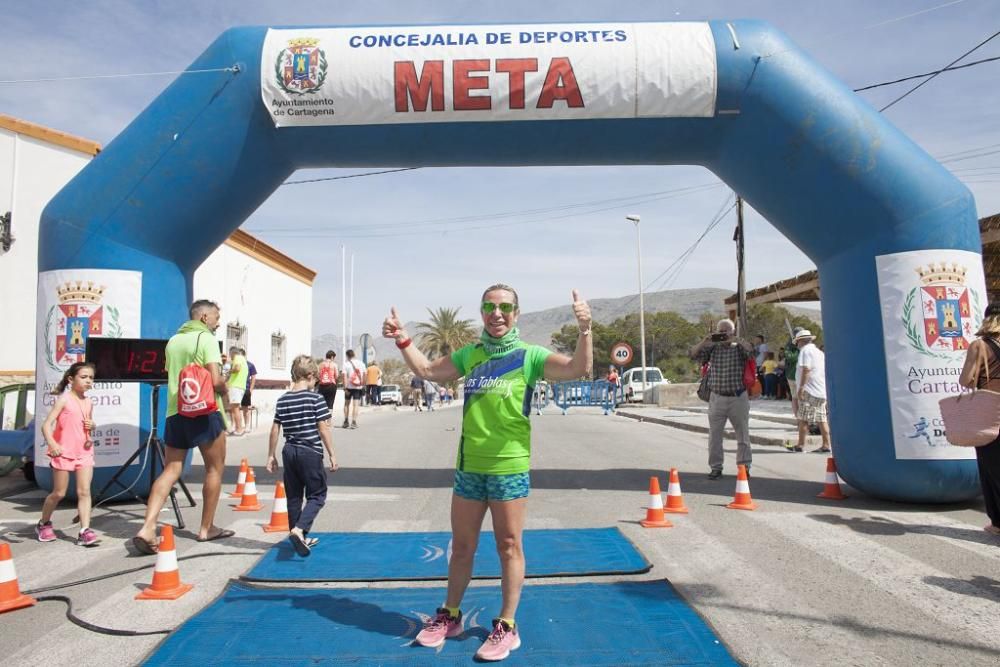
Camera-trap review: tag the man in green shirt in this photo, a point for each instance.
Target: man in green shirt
(194, 342)
(236, 385)
(494, 451)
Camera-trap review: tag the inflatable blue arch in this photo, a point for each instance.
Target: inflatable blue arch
(893, 234)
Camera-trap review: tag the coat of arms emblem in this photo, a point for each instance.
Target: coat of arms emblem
(946, 306)
(78, 316)
(301, 68)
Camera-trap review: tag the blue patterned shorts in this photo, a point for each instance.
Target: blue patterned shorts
(477, 486)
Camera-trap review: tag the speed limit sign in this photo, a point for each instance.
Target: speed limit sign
(621, 354)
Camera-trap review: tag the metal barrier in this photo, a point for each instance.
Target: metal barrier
(20, 411)
(587, 393)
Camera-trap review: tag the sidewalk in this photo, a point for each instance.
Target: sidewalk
(771, 422)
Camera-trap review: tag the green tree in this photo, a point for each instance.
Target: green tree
(773, 322)
(395, 371)
(445, 333)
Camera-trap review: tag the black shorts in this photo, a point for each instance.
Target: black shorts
(189, 432)
(328, 392)
(246, 399)
(353, 393)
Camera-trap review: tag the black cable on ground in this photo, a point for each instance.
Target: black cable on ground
(75, 620)
(111, 575)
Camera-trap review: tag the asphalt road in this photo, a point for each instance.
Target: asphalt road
(801, 581)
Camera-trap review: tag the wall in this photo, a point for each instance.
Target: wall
(31, 172)
(264, 299)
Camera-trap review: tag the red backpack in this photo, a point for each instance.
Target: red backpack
(195, 391)
(750, 373)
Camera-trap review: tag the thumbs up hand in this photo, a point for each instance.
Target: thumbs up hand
(581, 311)
(392, 327)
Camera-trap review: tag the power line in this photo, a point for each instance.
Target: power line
(340, 178)
(410, 228)
(933, 76)
(921, 76)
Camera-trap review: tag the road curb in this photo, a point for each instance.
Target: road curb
(697, 428)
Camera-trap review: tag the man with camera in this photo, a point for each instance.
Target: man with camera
(727, 357)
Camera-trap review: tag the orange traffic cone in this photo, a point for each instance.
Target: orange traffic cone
(279, 515)
(675, 499)
(831, 489)
(249, 502)
(742, 499)
(241, 480)
(654, 513)
(11, 597)
(166, 577)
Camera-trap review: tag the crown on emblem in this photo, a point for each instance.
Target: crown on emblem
(299, 42)
(942, 273)
(79, 291)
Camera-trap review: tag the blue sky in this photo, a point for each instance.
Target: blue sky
(416, 265)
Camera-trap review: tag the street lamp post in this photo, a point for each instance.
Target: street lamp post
(634, 219)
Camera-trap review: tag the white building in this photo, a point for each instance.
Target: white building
(265, 296)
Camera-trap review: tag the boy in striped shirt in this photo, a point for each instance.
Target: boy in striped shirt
(306, 419)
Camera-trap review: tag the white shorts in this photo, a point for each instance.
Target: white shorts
(235, 396)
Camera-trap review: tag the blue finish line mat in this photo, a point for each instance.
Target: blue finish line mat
(424, 556)
(629, 623)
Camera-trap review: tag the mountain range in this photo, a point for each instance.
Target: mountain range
(537, 327)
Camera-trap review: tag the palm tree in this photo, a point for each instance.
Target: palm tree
(445, 333)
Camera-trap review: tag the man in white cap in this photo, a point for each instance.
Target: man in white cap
(810, 383)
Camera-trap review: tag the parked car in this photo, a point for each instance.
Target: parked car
(632, 382)
(392, 394)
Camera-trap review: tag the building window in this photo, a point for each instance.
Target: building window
(278, 350)
(236, 336)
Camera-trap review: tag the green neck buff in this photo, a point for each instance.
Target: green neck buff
(497, 347)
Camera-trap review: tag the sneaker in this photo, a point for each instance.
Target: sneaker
(87, 538)
(354, 424)
(346, 424)
(442, 626)
(500, 643)
(45, 532)
(715, 474)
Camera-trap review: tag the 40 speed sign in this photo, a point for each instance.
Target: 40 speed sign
(621, 354)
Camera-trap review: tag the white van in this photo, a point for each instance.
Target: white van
(632, 382)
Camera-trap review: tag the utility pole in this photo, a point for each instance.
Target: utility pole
(343, 303)
(634, 219)
(741, 287)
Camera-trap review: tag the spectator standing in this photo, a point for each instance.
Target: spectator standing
(984, 354)
(327, 385)
(237, 384)
(373, 378)
(810, 393)
(194, 342)
(614, 382)
(354, 387)
(430, 391)
(246, 403)
(305, 418)
(417, 393)
(791, 362)
(726, 356)
(770, 370)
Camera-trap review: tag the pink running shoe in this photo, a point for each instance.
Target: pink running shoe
(442, 626)
(87, 538)
(45, 532)
(500, 643)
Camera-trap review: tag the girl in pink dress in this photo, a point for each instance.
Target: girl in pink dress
(67, 433)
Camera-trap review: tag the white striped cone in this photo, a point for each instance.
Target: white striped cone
(279, 515)
(11, 597)
(742, 499)
(654, 513)
(675, 499)
(831, 486)
(166, 576)
(249, 502)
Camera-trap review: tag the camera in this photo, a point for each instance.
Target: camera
(719, 337)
